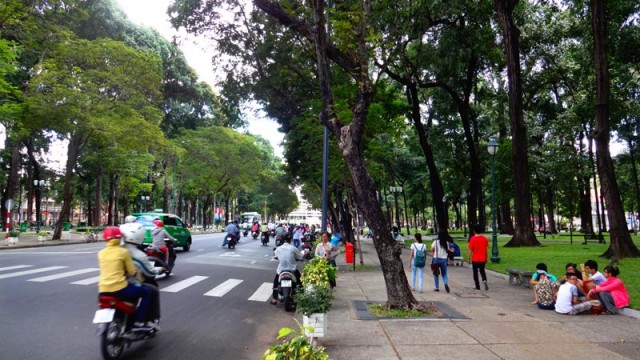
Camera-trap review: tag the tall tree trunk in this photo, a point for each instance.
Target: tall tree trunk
(13, 178)
(523, 235)
(621, 245)
(97, 209)
(76, 142)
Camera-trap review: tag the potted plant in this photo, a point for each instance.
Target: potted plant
(42, 236)
(293, 345)
(313, 302)
(13, 237)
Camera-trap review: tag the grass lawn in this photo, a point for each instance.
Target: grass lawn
(556, 251)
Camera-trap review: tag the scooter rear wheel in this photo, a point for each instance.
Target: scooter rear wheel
(111, 345)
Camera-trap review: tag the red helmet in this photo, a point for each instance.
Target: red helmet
(158, 223)
(111, 232)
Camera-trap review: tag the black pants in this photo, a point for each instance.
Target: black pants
(274, 295)
(478, 266)
(153, 312)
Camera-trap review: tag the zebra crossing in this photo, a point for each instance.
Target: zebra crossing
(52, 273)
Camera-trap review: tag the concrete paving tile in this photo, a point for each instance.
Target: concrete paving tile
(487, 311)
(627, 350)
(370, 352)
(627, 329)
(500, 332)
(443, 332)
(423, 352)
(555, 351)
(354, 333)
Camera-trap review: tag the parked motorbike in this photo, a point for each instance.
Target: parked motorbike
(115, 319)
(264, 238)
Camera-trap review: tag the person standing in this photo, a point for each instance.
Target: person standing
(297, 233)
(327, 251)
(440, 251)
(478, 245)
(417, 260)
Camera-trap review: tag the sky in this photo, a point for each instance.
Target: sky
(153, 13)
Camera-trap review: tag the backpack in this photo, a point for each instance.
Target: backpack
(420, 258)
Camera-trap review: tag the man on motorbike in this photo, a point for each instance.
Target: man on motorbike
(287, 255)
(280, 231)
(115, 265)
(232, 229)
(133, 235)
(264, 229)
(159, 234)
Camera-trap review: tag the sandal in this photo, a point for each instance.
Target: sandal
(274, 302)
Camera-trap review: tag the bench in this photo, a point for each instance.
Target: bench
(598, 237)
(457, 261)
(520, 277)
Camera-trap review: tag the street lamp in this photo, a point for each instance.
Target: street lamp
(395, 190)
(492, 148)
(144, 199)
(265, 208)
(39, 185)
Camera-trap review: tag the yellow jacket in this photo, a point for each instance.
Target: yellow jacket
(115, 264)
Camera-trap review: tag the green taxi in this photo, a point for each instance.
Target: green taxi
(172, 223)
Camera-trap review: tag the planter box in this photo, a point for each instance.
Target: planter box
(12, 240)
(316, 321)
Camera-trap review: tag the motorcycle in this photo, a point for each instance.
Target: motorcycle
(156, 256)
(245, 232)
(254, 235)
(115, 319)
(307, 245)
(279, 240)
(230, 240)
(264, 238)
(287, 287)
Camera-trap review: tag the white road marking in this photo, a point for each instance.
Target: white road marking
(231, 254)
(263, 293)
(180, 285)
(34, 271)
(223, 288)
(88, 281)
(63, 275)
(14, 267)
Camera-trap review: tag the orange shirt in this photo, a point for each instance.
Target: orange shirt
(478, 245)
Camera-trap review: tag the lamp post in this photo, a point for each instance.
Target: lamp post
(395, 190)
(144, 199)
(265, 208)
(463, 198)
(39, 185)
(492, 148)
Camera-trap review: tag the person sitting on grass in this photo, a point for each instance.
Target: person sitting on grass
(612, 293)
(541, 268)
(545, 291)
(567, 299)
(595, 277)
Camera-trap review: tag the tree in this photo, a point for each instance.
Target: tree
(620, 245)
(100, 89)
(523, 235)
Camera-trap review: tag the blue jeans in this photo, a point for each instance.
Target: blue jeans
(296, 243)
(443, 272)
(420, 271)
(135, 292)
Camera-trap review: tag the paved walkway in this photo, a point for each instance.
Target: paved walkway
(496, 324)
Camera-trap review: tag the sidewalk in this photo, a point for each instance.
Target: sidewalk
(500, 323)
(31, 240)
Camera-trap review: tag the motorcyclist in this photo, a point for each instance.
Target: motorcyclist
(264, 229)
(280, 231)
(232, 229)
(133, 235)
(287, 255)
(116, 264)
(159, 234)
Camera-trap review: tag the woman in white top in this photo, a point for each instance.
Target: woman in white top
(328, 251)
(416, 247)
(440, 250)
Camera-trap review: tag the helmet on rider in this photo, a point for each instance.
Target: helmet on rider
(133, 233)
(158, 223)
(130, 219)
(111, 232)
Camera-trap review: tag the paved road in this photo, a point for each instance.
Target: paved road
(215, 306)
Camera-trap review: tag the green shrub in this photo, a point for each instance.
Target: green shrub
(296, 347)
(313, 300)
(14, 233)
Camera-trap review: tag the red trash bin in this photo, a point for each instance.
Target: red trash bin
(348, 252)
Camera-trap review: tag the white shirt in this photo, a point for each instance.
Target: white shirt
(438, 251)
(287, 255)
(564, 299)
(598, 278)
(323, 249)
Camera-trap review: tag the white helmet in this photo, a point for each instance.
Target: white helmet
(130, 219)
(133, 233)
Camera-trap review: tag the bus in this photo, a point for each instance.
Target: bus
(247, 219)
